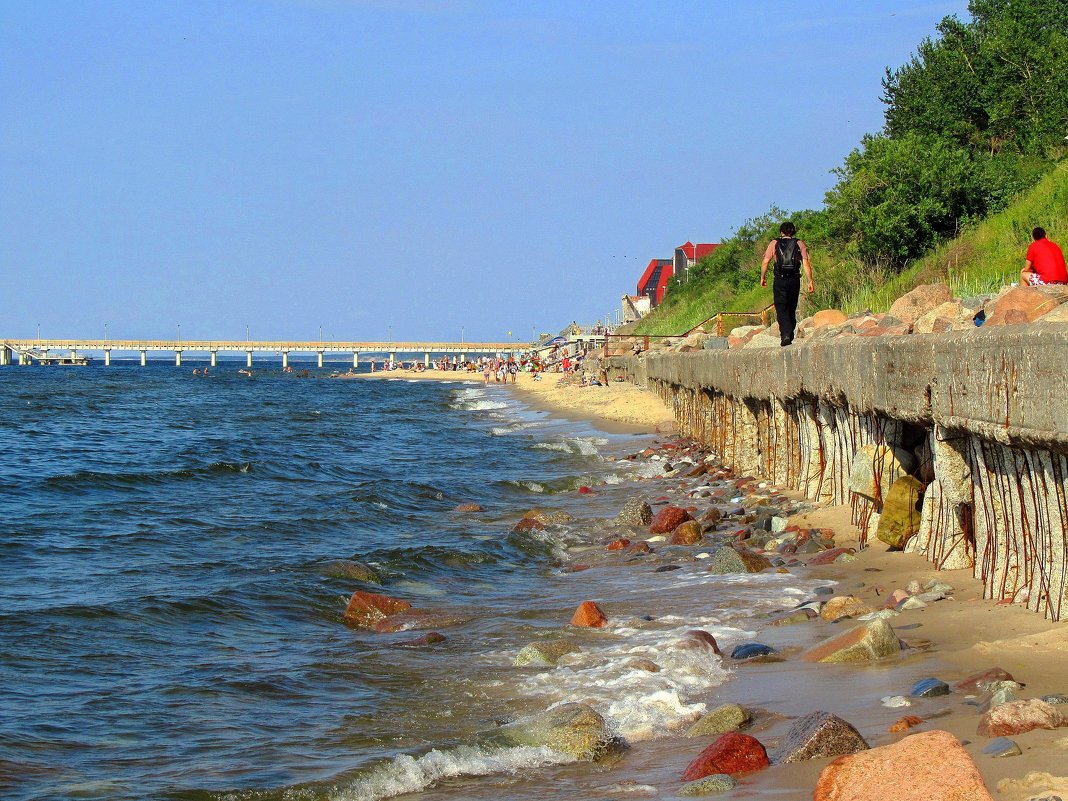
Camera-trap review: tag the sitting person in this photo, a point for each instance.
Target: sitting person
(1044, 263)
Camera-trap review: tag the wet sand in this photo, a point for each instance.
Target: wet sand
(950, 640)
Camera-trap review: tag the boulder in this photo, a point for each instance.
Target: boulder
(844, 606)
(925, 298)
(617, 545)
(409, 619)
(635, 512)
(544, 653)
(589, 615)
(688, 533)
(709, 785)
(702, 639)
(941, 318)
(1017, 717)
(668, 519)
(1058, 315)
(528, 524)
(367, 608)
(351, 569)
(712, 515)
(639, 548)
(469, 507)
(829, 556)
(980, 682)
(827, 317)
(1003, 747)
(573, 729)
(548, 516)
(900, 518)
(728, 717)
(874, 640)
(732, 753)
(1021, 304)
(876, 467)
(929, 688)
(929, 766)
(818, 735)
(792, 617)
(752, 650)
(729, 559)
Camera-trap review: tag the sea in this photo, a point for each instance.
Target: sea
(171, 600)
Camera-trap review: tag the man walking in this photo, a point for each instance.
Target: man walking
(1044, 263)
(790, 256)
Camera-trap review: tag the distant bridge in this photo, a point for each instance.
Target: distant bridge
(28, 351)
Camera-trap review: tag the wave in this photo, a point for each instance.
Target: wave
(407, 774)
(583, 446)
(92, 478)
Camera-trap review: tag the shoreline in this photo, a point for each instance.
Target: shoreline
(619, 408)
(950, 639)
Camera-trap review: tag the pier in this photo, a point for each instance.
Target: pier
(40, 351)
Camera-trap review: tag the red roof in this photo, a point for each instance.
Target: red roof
(697, 252)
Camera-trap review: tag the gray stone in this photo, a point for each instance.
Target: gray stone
(351, 569)
(819, 735)
(728, 717)
(709, 785)
(576, 730)
(1002, 747)
(544, 653)
(876, 467)
(635, 512)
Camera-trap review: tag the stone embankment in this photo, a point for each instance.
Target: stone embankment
(945, 437)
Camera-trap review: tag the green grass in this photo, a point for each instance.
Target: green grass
(985, 257)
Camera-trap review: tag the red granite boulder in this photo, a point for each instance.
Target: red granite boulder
(731, 753)
(668, 519)
(367, 608)
(589, 615)
(929, 766)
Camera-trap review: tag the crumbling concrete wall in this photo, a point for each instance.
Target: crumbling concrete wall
(978, 419)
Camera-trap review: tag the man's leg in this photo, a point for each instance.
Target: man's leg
(786, 292)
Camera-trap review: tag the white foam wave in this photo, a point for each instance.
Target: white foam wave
(407, 774)
(584, 446)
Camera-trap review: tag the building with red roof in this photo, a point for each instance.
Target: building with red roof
(654, 280)
(687, 255)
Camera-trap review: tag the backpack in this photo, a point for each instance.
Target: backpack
(787, 254)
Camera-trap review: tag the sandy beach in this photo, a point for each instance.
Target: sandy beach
(949, 639)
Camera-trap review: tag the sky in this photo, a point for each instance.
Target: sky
(408, 168)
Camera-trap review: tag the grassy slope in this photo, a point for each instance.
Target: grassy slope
(982, 259)
(986, 256)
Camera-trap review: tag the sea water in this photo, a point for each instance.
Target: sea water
(170, 625)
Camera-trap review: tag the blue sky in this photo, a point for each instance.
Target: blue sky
(421, 165)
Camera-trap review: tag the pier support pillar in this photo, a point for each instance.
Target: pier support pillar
(177, 358)
(426, 360)
(215, 358)
(320, 360)
(23, 361)
(393, 357)
(285, 359)
(5, 356)
(248, 358)
(144, 358)
(355, 359)
(107, 357)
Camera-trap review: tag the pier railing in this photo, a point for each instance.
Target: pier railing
(720, 324)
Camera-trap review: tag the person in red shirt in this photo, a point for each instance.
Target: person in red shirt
(1044, 263)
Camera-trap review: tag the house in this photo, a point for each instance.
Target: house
(654, 280)
(687, 255)
(635, 307)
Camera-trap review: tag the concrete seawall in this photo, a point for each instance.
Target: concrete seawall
(979, 419)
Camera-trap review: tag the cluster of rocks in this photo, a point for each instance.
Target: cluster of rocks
(927, 309)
